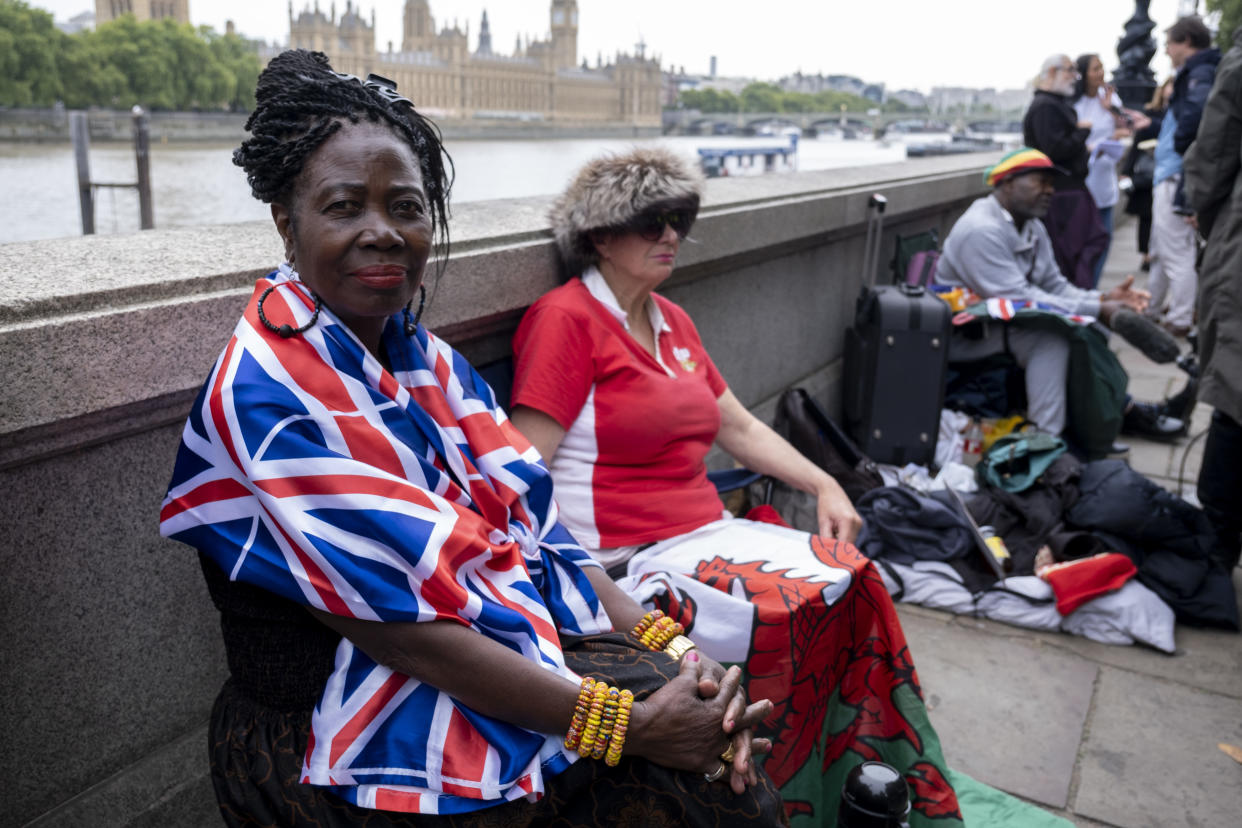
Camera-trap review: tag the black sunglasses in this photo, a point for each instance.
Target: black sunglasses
(650, 225)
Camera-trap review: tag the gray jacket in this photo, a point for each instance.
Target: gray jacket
(986, 253)
(1214, 190)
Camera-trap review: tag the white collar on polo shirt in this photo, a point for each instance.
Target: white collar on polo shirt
(594, 281)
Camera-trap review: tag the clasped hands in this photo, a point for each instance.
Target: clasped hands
(688, 723)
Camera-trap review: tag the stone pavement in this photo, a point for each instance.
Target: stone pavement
(1101, 735)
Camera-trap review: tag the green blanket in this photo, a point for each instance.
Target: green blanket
(1096, 385)
(986, 807)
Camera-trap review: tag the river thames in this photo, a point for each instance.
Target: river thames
(198, 184)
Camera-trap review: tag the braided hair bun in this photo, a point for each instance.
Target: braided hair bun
(300, 103)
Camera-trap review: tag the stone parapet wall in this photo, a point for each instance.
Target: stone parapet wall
(112, 654)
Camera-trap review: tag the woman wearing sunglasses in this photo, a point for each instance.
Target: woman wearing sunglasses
(614, 388)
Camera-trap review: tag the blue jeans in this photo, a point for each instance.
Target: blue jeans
(1106, 219)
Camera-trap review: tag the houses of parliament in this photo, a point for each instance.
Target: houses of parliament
(538, 80)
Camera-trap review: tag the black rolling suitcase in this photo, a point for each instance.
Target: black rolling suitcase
(895, 359)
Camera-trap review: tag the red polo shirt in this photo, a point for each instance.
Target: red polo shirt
(630, 469)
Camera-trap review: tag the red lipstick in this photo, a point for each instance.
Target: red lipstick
(380, 276)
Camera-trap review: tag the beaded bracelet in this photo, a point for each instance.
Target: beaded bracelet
(581, 708)
(657, 636)
(594, 718)
(617, 741)
(601, 718)
(646, 621)
(606, 723)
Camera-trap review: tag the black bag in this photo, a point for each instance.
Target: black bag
(801, 421)
(1143, 174)
(896, 355)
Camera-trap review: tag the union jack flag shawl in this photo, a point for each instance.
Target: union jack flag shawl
(307, 469)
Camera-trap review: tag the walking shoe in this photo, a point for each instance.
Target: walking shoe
(1144, 419)
(1118, 451)
(1180, 405)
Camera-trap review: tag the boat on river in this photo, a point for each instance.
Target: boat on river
(719, 162)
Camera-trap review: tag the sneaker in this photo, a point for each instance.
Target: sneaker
(1118, 451)
(1144, 419)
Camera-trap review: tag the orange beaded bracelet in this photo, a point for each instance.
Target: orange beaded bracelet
(574, 735)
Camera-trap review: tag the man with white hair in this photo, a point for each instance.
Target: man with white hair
(1051, 126)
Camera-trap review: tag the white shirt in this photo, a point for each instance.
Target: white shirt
(1101, 169)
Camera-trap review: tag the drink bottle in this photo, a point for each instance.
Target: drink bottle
(874, 796)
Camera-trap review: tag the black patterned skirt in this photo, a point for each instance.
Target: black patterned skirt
(257, 752)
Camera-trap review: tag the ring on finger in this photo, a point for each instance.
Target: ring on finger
(716, 774)
(728, 754)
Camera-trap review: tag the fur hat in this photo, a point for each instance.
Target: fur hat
(610, 191)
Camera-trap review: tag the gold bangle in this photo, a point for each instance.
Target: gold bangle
(679, 646)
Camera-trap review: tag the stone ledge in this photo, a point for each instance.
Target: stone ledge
(132, 318)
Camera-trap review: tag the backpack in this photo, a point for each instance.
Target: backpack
(1015, 461)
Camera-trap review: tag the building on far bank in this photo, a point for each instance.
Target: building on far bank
(812, 84)
(81, 22)
(106, 10)
(944, 99)
(540, 80)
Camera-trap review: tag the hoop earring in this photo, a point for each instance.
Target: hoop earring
(285, 331)
(411, 323)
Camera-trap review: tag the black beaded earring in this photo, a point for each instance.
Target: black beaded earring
(411, 322)
(285, 331)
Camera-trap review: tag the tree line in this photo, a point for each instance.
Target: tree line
(768, 97)
(158, 64)
(1230, 19)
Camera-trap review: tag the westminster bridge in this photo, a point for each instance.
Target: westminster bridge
(693, 122)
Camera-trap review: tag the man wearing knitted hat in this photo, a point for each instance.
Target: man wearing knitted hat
(1000, 248)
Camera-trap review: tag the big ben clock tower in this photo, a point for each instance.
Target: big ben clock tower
(565, 33)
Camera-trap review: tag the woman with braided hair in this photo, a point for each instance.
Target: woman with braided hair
(412, 637)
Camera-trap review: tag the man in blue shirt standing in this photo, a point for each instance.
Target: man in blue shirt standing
(1188, 44)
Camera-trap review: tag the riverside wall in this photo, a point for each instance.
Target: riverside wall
(112, 653)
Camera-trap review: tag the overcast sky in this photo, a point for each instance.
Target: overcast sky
(902, 43)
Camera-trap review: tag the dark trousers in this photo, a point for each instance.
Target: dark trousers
(1220, 486)
(1144, 231)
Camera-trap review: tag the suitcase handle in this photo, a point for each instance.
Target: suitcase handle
(876, 205)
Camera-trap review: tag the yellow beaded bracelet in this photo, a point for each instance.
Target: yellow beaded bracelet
(660, 633)
(617, 740)
(607, 723)
(594, 718)
(646, 621)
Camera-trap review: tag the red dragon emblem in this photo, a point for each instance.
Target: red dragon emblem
(844, 665)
